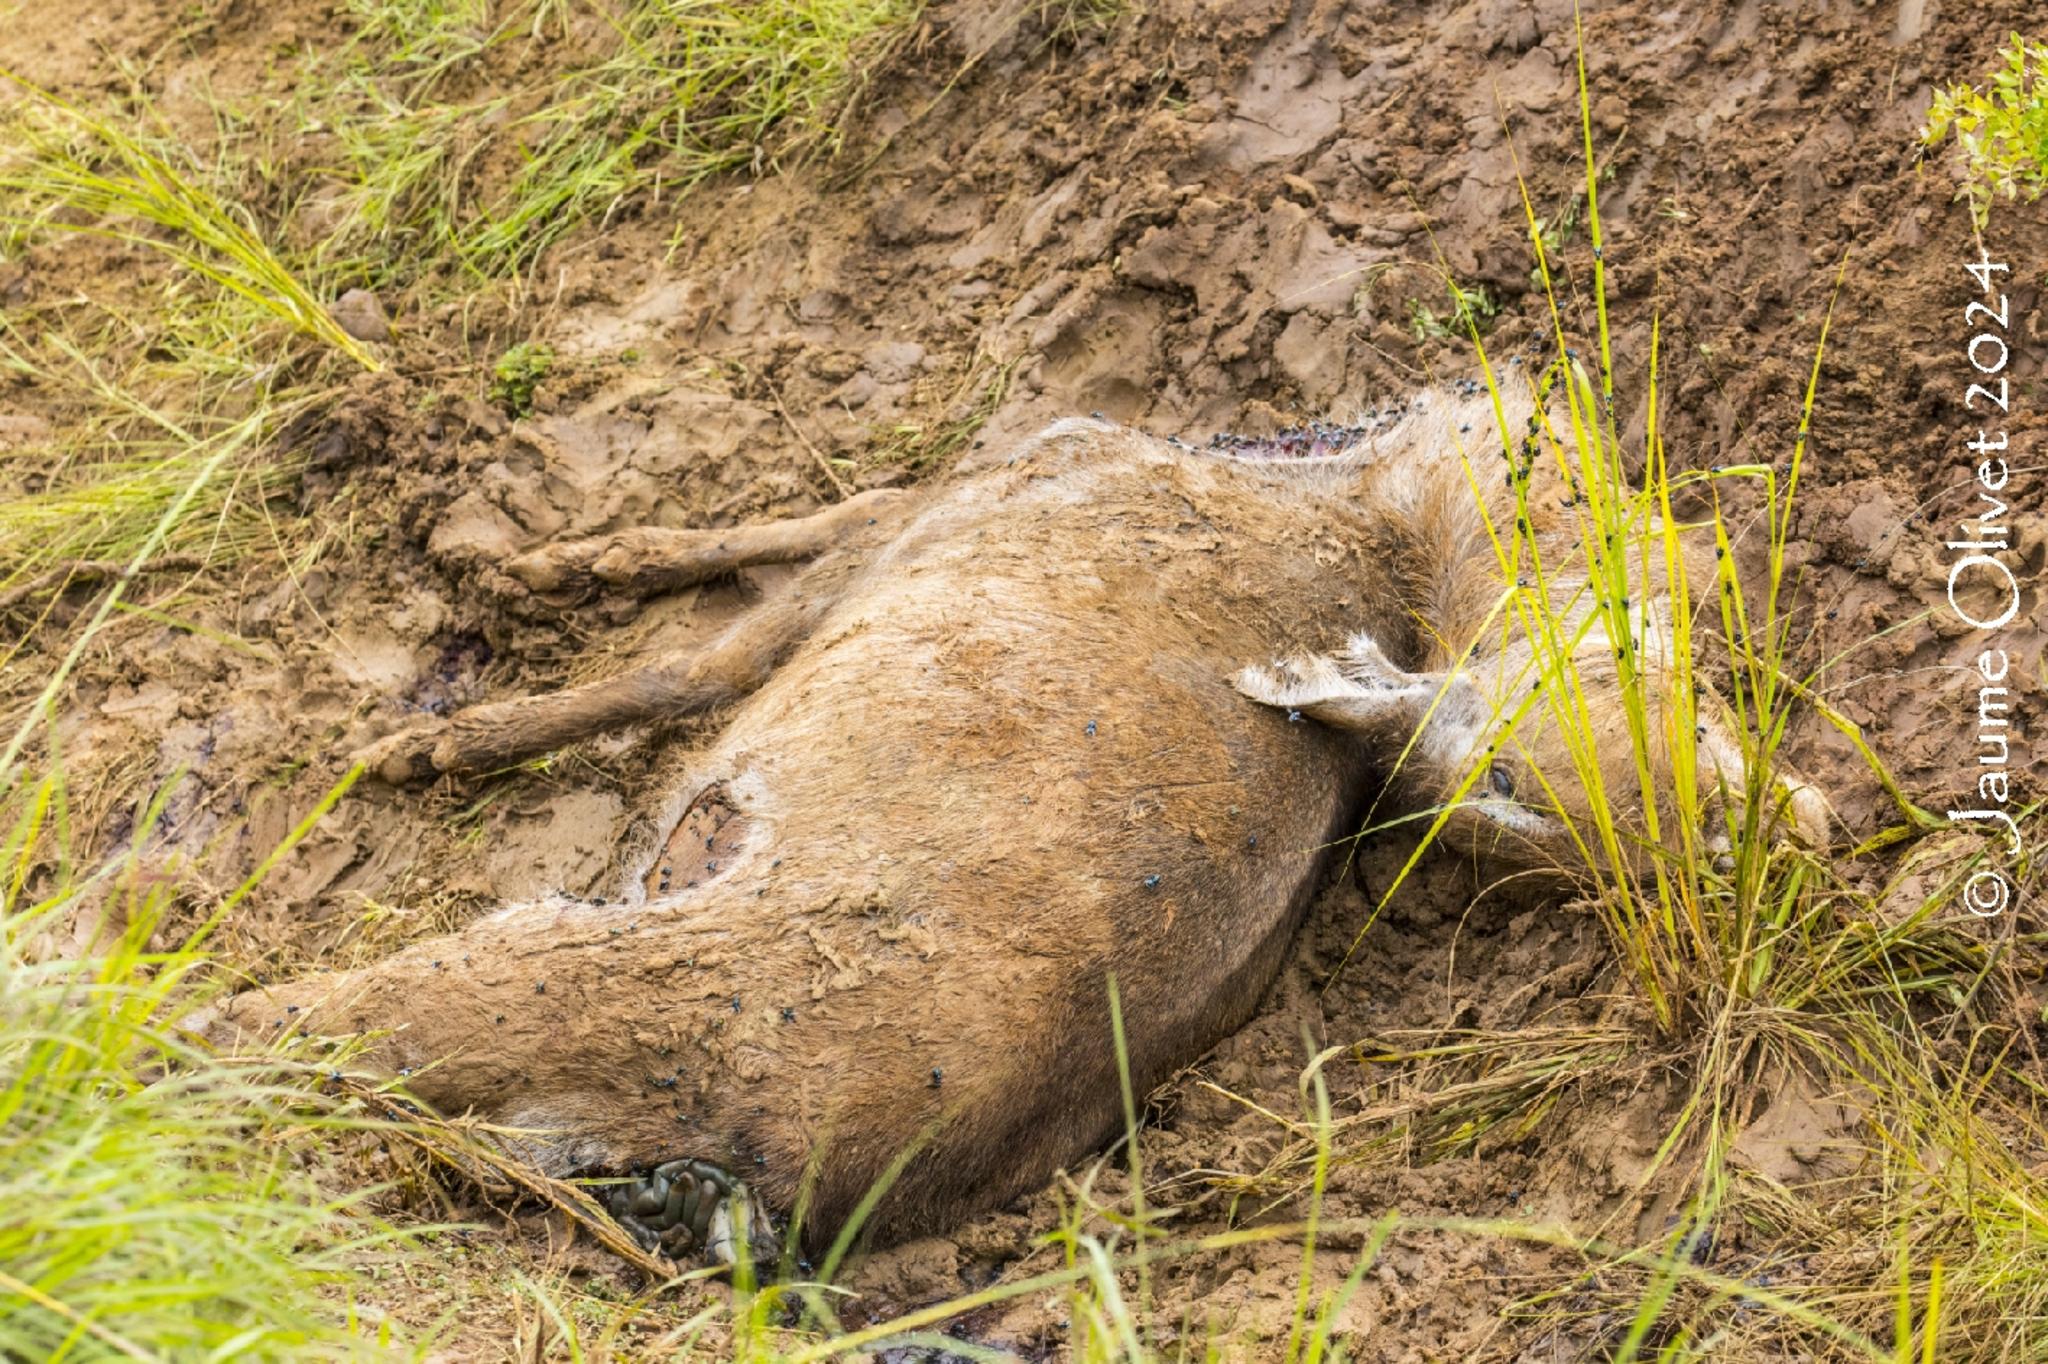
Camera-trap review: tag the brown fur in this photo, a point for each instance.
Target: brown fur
(1006, 763)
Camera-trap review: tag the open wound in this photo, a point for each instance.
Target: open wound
(702, 845)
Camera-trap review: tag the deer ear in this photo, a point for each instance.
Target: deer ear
(1361, 690)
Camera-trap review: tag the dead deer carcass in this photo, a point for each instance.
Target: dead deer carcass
(999, 744)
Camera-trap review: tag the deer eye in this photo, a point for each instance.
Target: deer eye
(1501, 780)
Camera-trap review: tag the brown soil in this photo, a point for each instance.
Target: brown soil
(1213, 217)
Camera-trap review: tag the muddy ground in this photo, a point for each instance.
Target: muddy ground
(1215, 215)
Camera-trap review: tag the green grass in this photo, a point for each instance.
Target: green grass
(420, 175)
(155, 1202)
(463, 139)
(154, 1207)
(517, 374)
(78, 505)
(162, 385)
(1694, 940)
(75, 172)
(694, 88)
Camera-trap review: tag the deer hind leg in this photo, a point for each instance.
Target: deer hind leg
(646, 562)
(651, 560)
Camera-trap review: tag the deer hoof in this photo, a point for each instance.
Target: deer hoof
(403, 758)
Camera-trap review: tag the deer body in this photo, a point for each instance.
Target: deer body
(1004, 762)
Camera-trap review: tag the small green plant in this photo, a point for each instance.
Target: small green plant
(2001, 131)
(517, 374)
(1472, 312)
